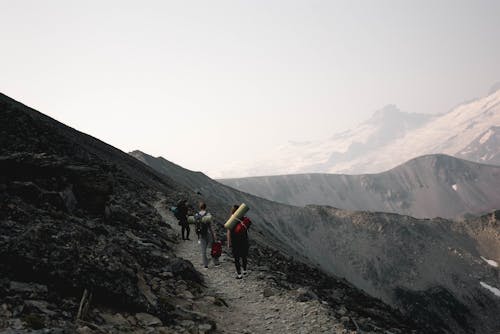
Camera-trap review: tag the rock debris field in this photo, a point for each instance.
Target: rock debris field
(253, 304)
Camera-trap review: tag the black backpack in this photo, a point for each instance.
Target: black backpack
(177, 212)
(201, 227)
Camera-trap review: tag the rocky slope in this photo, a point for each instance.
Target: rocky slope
(79, 237)
(84, 249)
(425, 187)
(432, 270)
(388, 139)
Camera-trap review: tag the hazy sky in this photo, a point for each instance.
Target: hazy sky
(206, 82)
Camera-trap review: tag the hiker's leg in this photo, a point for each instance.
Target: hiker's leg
(183, 228)
(244, 260)
(203, 245)
(188, 229)
(237, 264)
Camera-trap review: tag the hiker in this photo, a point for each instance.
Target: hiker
(182, 217)
(206, 234)
(237, 239)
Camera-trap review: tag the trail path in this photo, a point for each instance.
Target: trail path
(255, 305)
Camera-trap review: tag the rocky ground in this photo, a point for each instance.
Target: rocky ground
(255, 304)
(285, 296)
(82, 251)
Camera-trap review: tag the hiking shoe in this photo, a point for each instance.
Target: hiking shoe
(206, 267)
(245, 272)
(239, 276)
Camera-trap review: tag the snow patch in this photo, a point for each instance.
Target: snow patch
(494, 290)
(455, 187)
(490, 262)
(486, 136)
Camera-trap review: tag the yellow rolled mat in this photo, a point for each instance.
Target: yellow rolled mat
(237, 215)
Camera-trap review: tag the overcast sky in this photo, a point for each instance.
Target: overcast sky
(202, 83)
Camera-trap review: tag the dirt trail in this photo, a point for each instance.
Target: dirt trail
(255, 305)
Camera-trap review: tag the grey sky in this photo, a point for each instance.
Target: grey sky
(195, 81)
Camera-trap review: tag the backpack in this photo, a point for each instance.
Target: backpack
(200, 225)
(216, 249)
(242, 226)
(177, 212)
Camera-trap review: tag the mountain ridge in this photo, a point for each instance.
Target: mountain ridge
(428, 186)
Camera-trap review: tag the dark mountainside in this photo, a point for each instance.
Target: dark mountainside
(426, 187)
(76, 215)
(430, 269)
(80, 236)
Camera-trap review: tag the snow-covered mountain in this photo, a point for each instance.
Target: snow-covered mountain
(392, 137)
(485, 148)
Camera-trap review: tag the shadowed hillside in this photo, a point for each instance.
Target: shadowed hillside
(78, 227)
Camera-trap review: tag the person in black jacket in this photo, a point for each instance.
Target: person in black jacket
(183, 212)
(239, 244)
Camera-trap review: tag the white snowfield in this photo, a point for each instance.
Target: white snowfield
(388, 139)
(486, 136)
(494, 290)
(490, 262)
(448, 134)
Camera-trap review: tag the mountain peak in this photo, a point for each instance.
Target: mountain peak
(387, 111)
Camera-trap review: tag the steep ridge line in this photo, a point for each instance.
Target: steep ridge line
(254, 304)
(425, 187)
